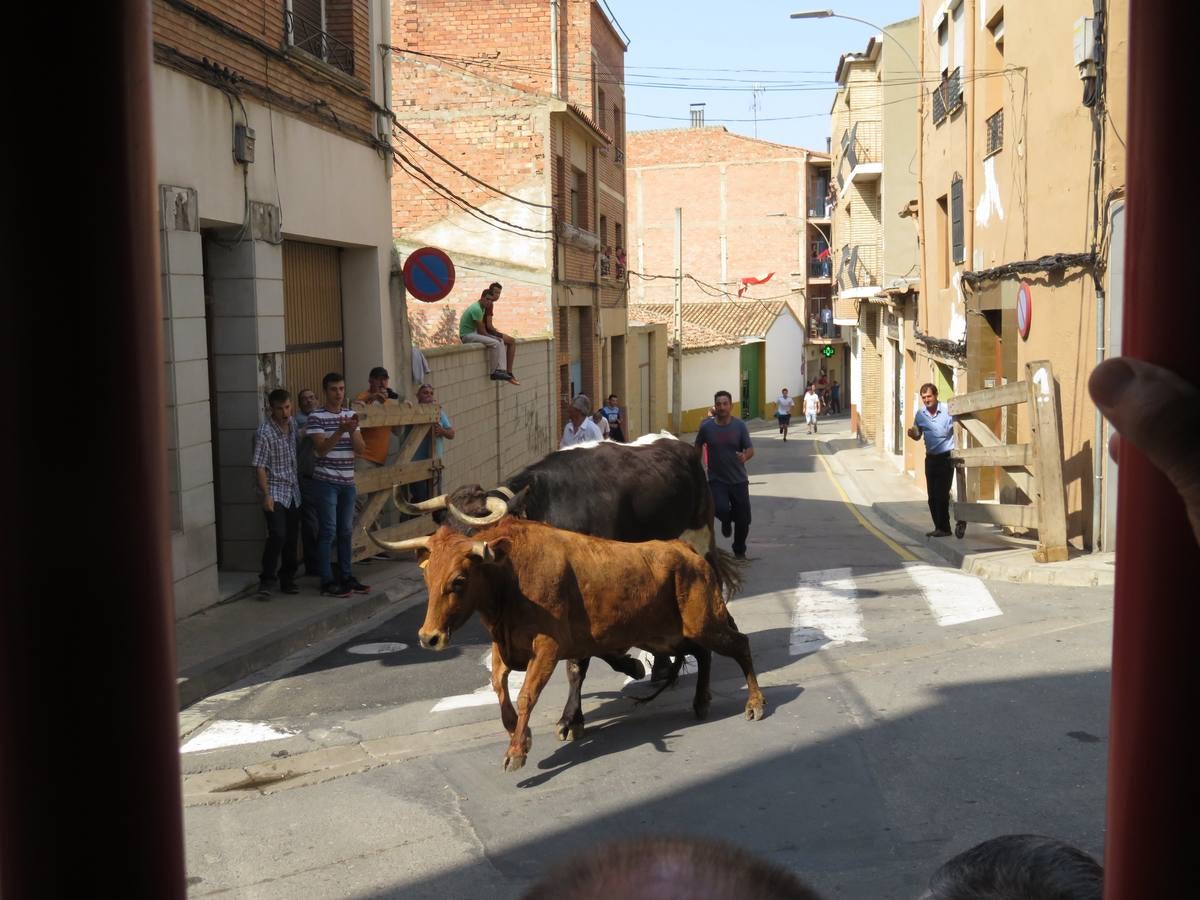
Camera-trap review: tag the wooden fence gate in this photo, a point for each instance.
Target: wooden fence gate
(1036, 467)
(378, 484)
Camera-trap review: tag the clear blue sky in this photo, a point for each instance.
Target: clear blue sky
(682, 47)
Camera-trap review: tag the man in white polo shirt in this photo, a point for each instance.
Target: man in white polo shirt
(933, 422)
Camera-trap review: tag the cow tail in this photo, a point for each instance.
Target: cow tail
(728, 570)
(669, 681)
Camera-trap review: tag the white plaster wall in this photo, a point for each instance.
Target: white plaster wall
(785, 359)
(705, 373)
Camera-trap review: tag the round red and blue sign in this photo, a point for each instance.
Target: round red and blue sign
(1024, 310)
(428, 274)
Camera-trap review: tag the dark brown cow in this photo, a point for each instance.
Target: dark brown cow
(545, 594)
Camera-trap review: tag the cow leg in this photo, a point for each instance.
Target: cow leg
(703, 698)
(541, 667)
(570, 726)
(500, 671)
(722, 638)
(627, 665)
(662, 666)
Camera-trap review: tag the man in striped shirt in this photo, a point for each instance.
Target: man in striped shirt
(336, 437)
(274, 464)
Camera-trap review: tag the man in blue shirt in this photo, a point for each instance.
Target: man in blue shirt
(729, 449)
(933, 422)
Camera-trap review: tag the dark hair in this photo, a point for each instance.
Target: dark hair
(495, 286)
(379, 372)
(485, 293)
(649, 867)
(278, 397)
(722, 394)
(331, 378)
(309, 390)
(612, 397)
(1018, 867)
(932, 388)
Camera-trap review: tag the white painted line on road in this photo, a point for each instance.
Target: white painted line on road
(827, 612)
(378, 649)
(953, 597)
(229, 733)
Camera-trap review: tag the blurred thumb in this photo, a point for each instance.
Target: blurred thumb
(1158, 412)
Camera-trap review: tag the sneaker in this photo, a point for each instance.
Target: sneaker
(500, 375)
(334, 589)
(357, 587)
(289, 587)
(937, 532)
(726, 529)
(263, 593)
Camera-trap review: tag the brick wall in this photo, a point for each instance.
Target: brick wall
(871, 414)
(299, 78)
(500, 428)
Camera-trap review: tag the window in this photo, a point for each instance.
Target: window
(995, 132)
(603, 232)
(579, 207)
(323, 29)
(943, 39)
(619, 242)
(618, 134)
(956, 219)
(602, 109)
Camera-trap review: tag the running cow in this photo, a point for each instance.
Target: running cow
(545, 594)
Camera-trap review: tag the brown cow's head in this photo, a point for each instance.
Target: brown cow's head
(458, 578)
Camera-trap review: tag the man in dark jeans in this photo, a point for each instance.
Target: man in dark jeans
(727, 441)
(274, 464)
(933, 422)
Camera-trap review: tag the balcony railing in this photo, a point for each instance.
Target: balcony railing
(858, 266)
(304, 35)
(995, 132)
(619, 156)
(820, 320)
(820, 268)
(947, 96)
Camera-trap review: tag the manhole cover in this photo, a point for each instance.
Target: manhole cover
(377, 649)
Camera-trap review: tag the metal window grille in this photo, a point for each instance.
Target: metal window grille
(995, 132)
(309, 37)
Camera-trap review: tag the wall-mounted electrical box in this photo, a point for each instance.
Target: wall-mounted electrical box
(243, 144)
(1085, 41)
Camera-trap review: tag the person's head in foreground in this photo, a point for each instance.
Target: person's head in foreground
(669, 869)
(1018, 867)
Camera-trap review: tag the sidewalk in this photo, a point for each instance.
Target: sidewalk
(985, 550)
(225, 643)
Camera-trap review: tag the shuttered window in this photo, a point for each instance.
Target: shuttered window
(312, 299)
(956, 220)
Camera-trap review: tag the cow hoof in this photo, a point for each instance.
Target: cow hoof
(755, 711)
(569, 732)
(701, 712)
(512, 763)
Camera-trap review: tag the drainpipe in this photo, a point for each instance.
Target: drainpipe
(554, 47)
(385, 38)
(1098, 438)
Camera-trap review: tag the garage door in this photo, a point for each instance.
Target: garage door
(312, 293)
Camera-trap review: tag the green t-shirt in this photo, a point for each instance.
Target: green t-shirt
(471, 316)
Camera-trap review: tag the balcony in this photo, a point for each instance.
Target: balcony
(308, 37)
(821, 327)
(947, 96)
(820, 268)
(858, 270)
(862, 153)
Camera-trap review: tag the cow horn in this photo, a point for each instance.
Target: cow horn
(416, 509)
(417, 543)
(505, 491)
(497, 510)
(483, 551)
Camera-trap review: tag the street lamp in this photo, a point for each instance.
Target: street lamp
(830, 14)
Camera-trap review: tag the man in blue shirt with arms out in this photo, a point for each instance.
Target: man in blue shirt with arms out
(933, 421)
(729, 449)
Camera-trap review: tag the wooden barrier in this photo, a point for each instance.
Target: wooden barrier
(377, 484)
(1036, 467)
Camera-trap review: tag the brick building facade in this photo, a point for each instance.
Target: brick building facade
(511, 134)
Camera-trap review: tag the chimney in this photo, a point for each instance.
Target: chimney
(697, 115)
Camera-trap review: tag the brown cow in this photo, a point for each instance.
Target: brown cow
(545, 594)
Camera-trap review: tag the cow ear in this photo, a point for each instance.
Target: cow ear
(516, 504)
(422, 557)
(500, 548)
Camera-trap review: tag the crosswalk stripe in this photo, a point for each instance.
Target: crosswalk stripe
(953, 597)
(827, 612)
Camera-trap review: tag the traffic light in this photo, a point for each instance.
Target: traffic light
(828, 351)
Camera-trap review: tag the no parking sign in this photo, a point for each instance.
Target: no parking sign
(1024, 310)
(428, 274)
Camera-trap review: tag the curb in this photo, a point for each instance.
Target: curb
(221, 671)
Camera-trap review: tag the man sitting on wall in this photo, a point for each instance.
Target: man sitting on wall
(475, 327)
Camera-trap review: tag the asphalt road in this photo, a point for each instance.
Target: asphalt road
(912, 711)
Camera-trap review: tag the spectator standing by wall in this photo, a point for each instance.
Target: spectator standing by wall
(336, 438)
(441, 431)
(614, 413)
(274, 462)
(580, 428)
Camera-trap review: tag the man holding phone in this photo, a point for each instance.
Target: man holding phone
(336, 437)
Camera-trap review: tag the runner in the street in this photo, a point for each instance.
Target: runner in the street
(783, 411)
(812, 406)
(727, 441)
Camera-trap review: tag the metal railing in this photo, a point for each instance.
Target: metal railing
(947, 96)
(858, 266)
(304, 35)
(619, 156)
(820, 268)
(995, 132)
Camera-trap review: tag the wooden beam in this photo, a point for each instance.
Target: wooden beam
(372, 480)
(996, 514)
(977, 401)
(996, 455)
(375, 416)
(980, 432)
(1046, 441)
